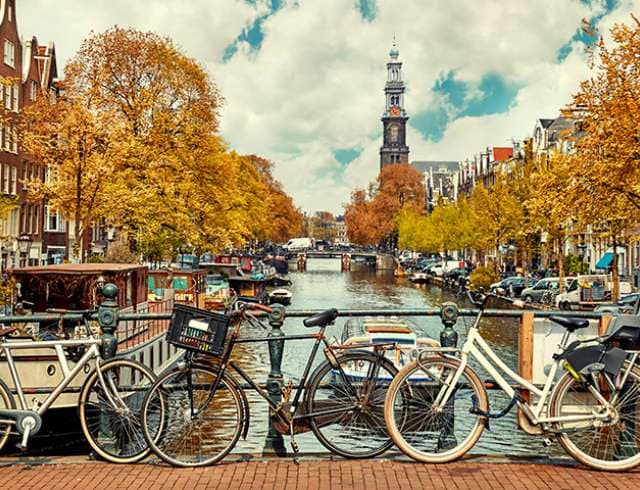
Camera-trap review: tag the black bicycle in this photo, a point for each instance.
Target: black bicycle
(195, 414)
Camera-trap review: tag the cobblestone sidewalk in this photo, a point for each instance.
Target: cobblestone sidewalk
(284, 474)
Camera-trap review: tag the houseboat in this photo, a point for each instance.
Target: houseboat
(78, 286)
(217, 292)
(245, 283)
(188, 285)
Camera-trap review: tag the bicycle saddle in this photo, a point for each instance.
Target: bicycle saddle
(323, 319)
(570, 324)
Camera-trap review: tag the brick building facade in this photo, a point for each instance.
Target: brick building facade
(31, 234)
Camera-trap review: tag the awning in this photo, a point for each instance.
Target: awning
(605, 261)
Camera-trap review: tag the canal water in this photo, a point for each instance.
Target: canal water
(323, 286)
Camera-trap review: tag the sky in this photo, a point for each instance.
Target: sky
(303, 80)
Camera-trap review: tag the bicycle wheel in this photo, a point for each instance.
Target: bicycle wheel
(110, 412)
(611, 444)
(185, 424)
(6, 402)
(434, 434)
(358, 431)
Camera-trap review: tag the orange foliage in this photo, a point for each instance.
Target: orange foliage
(371, 219)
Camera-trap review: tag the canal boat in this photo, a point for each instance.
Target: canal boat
(242, 282)
(419, 277)
(76, 287)
(217, 292)
(372, 331)
(188, 285)
(280, 296)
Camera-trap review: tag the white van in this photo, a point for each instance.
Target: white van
(441, 268)
(589, 289)
(298, 244)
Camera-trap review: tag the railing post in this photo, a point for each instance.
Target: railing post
(449, 317)
(448, 338)
(274, 442)
(108, 320)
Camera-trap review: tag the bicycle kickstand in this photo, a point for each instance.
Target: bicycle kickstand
(294, 444)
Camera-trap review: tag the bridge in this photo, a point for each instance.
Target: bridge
(349, 260)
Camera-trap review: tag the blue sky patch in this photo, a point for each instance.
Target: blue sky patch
(580, 35)
(252, 34)
(346, 155)
(493, 94)
(368, 9)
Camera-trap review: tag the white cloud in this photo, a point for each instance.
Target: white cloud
(316, 83)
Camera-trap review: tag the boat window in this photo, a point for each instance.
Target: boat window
(180, 282)
(151, 283)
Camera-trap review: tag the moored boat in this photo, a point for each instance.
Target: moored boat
(76, 287)
(280, 296)
(217, 292)
(372, 331)
(419, 277)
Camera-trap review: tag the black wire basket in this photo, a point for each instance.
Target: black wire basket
(198, 330)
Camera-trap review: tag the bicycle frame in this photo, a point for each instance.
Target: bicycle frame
(476, 347)
(93, 352)
(319, 338)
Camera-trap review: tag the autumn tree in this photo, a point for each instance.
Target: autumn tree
(133, 143)
(606, 158)
(371, 217)
(496, 213)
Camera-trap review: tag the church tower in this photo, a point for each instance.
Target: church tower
(394, 147)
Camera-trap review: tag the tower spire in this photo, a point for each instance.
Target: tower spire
(394, 119)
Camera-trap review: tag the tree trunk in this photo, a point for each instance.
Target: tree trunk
(614, 272)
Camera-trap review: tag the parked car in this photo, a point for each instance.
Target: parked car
(626, 305)
(441, 268)
(512, 286)
(534, 294)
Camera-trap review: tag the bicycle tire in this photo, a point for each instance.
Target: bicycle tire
(115, 432)
(171, 435)
(411, 425)
(6, 402)
(567, 395)
(362, 431)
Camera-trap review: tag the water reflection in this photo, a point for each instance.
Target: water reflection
(322, 286)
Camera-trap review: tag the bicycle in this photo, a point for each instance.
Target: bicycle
(592, 410)
(195, 414)
(109, 398)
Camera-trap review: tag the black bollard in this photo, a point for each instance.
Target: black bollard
(448, 338)
(274, 442)
(108, 320)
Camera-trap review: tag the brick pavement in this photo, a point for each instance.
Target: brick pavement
(314, 475)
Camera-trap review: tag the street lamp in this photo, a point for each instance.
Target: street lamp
(24, 244)
(582, 247)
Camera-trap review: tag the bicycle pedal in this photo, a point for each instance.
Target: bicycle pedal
(21, 447)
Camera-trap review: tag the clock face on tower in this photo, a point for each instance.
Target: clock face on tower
(394, 111)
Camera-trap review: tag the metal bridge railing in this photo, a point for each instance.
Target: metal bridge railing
(109, 317)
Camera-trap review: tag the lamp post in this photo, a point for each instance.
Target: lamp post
(582, 247)
(24, 244)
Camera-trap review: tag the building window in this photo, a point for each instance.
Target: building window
(5, 178)
(7, 97)
(9, 53)
(33, 90)
(36, 219)
(16, 94)
(10, 13)
(52, 220)
(14, 139)
(14, 180)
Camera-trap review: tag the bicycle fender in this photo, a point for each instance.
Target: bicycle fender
(244, 402)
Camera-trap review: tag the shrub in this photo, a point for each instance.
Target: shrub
(483, 277)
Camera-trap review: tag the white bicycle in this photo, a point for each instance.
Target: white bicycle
(109, 403)
(593, 410)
